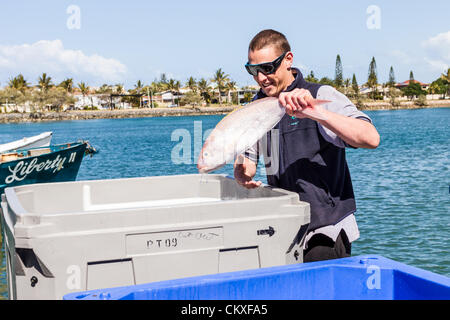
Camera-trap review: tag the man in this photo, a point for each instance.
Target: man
(311, 146)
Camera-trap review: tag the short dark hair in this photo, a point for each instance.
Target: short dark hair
(267, 38)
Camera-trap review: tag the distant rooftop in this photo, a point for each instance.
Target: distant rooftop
(406, 83)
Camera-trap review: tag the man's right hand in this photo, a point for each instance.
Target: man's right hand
(244, 171)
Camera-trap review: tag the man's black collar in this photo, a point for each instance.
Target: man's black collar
(298, 82)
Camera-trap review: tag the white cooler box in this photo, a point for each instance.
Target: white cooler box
(83, 235)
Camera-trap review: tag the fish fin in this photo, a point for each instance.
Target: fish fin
(309, 111)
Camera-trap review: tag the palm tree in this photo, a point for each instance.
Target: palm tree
(203, 87)
(18, 83)
(84, 88)
(139, 86)
(248, 96)
(171, 86)
(44, 82)
(105, 89)
(177, 89)
(67, 84)
(156, 86)
(220, 78)
(192, 84)
(119, 88)
(346, 84)
(230, 86)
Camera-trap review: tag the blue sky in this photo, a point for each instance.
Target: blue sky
(124, 41)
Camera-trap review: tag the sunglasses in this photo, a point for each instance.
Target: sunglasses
(265, 68)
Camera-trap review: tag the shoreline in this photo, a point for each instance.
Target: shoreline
(178, 111)
(405, 105)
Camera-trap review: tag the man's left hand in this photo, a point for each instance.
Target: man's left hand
(298, 103)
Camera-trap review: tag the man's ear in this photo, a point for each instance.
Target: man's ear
(288, 59)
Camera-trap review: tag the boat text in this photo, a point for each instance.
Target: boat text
(24, 168)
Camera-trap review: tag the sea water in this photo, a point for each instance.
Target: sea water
(402, 188)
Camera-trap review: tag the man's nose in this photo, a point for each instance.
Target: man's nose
(261, 76)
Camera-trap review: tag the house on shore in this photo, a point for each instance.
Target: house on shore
(406, 83)
(384, 90)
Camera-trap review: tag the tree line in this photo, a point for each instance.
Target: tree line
(49, 96)
(350, 86)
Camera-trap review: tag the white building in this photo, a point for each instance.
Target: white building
(99, 101)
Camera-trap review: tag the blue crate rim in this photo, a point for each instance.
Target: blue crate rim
(361, 262)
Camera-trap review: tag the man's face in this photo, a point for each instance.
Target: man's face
(272, 84)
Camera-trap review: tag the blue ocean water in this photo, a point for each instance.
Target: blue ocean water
(402, 188)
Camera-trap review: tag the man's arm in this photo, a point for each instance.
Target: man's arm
(355, 132)
(339, 117)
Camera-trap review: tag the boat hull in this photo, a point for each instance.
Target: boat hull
(60, 164)
(41, 140)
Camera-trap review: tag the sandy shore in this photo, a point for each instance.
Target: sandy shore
(165, 112)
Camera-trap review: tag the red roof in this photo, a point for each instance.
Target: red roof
(406, 83)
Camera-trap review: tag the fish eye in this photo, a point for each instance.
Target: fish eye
(205, 154)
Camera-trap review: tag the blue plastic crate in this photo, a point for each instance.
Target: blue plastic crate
(369, 277)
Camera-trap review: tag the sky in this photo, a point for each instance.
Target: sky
(124, 41)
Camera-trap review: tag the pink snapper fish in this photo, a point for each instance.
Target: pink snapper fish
(241, 129)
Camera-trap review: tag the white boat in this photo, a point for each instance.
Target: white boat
(41, 140)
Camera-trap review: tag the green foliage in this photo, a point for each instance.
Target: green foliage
(359, 103)
(44, 82)
(355, 86)
(192, 84)
(421, 100)
(412, 90)
(391, 81)
(446, 78)
(205, 90)
(51, 97)
(56, 97)
(338, 79)
(220, 79)
(248, 96)
(89, 108)
(84, 88)
(372, 79)
(163, 78)
(439, 86)
(230, 87)
(18, 83)
(67, 84)
(191, 98)
(393, 94)
(138, 86)
(327, 81)
(311, 78)
(11, 95)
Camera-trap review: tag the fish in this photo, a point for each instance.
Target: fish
(242, 128)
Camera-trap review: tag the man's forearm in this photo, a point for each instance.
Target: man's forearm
(356, 132)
